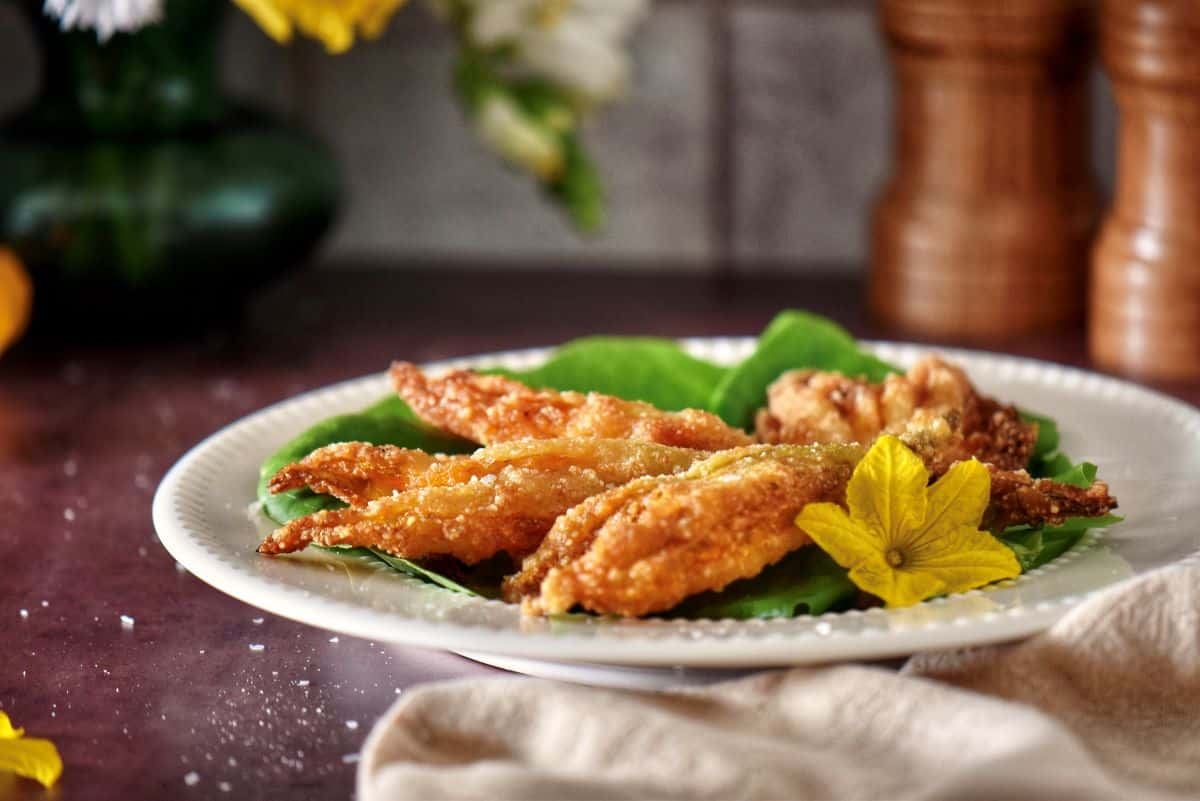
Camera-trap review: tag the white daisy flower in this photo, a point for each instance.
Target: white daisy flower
(105, 17)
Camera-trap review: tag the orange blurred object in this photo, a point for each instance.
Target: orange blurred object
(16, 298)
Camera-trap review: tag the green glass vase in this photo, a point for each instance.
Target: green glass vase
(138, 195)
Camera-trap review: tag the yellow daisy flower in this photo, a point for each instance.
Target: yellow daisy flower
(334, 22)
(28, 756)
(905, 540)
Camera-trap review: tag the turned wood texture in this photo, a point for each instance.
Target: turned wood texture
(985, 227)
(1145, 295)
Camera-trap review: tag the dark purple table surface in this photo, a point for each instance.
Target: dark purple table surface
(173, 702)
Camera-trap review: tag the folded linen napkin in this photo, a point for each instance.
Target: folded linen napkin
(1104, 705)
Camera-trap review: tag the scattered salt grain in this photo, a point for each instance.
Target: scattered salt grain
(351, 724)
(126, 622)
(302, 683)
(256, 621)
(70, 468)
(24, 614)
(224, 787)
(334, 640)
(255, 646)
(349, 759)
(69, 514)
(191, 778)
(45, 604)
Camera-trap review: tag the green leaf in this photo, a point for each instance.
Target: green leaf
(1056, 464)
(1079, 475)
(806, 581)
(656, 371)
(794, 339)
(389, 422)
(579, 190)
(1035, 547)
(1046, 460)
(1047, 441)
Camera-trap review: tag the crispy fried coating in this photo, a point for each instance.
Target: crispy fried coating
(491, 409)
(1018, 498)
(806, 406)
(502, 498)
(357, 472)
(645, 546)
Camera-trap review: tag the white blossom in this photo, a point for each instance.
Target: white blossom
(515, 137)
(578, 44)
(105, 17)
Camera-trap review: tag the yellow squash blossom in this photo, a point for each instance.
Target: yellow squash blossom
(334, 22)
(904, 540)
(28, 756)
(16, 298)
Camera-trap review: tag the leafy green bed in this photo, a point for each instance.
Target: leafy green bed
(659, 372)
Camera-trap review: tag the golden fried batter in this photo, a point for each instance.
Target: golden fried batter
(646, 546)
(490, 409)
(357, 472)
(805, 406)
(502, 498)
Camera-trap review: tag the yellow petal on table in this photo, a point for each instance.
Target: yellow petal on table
(16, 298)
(30, 757)
(887, 489)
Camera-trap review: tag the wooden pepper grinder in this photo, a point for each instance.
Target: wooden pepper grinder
(985, 227)
(1145, 294)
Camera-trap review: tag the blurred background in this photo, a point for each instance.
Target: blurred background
(755, 138)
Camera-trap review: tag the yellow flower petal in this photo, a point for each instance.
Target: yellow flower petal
(334, 22)
(897, 587)
(847, 540)
(958, 498)
(7, 732)
(30, 757)
(903, 541)
(966, 558)
(887, 490)
(268, 17)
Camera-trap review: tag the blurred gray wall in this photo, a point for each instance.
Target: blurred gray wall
(754, 139)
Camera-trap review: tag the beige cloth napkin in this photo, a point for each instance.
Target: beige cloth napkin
(1105, 705)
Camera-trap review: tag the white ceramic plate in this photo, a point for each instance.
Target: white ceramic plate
(1146, 445)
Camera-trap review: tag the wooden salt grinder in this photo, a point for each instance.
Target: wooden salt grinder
(1145, 294)
(985, 226)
